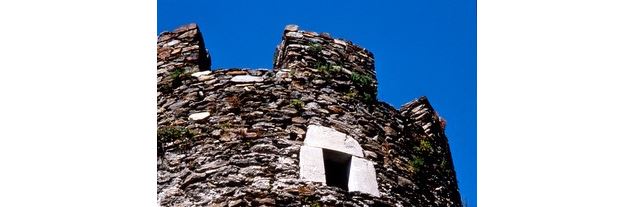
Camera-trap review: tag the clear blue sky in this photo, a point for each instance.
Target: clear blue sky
(422, 48)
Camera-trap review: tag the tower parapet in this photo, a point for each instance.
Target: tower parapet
(312, 56)
(432, 156)
(180, 52)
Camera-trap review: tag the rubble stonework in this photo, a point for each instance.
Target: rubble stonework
(233, 137)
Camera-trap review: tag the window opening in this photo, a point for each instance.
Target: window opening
(336, 166)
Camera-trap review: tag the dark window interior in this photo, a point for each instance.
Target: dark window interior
(336, 167)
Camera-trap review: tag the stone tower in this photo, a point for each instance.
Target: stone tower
(310, 132)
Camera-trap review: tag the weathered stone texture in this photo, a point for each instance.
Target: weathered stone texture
(178, 52)
(312, 164)
(233, 137)
(362, 177)
(437, 171)
(327, 138)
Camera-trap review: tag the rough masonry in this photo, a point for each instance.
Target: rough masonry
(310, 132)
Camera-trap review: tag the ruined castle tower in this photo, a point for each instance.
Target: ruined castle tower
(310, 132)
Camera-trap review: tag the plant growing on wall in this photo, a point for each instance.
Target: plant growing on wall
(360, 79)
(172, 134)
(367, 97)
(425, 145)
(351, 94)
(364, 81)
(416, 164)
(176, 73)
(422, 150)
(327, 68)
(174, 80)
(297, 103)
(314, 48)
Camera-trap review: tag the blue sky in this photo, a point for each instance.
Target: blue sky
(422, 48)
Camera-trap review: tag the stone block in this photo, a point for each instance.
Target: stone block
(246, 79)
(312, 164)
(202, 73)
(199, 116)
(362, 177)
(291, 28)
(328, 138)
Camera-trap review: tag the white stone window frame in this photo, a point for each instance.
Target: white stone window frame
(361, 175)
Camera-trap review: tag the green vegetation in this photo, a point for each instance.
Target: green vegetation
(360, 79)
(175, 80)
(365, 97)
(297, 103)
(422, 150)
(444, 167)
(177, 77)
(425, 145)
(351, 94)
(314, 48)
(177, 73)
(368, 98)
(364, 81)
(327, 68)
(416, 163)
(171, 134)
(323, 68)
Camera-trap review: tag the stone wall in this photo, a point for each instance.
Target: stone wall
(178, 52)
(436, 170)
(306, 54)
(232, 137)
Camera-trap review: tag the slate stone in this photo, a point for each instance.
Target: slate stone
(246, 79)
(252, 152)
(199, 116)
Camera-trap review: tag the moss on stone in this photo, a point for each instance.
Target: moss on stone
(297, 103)
(171, 134)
